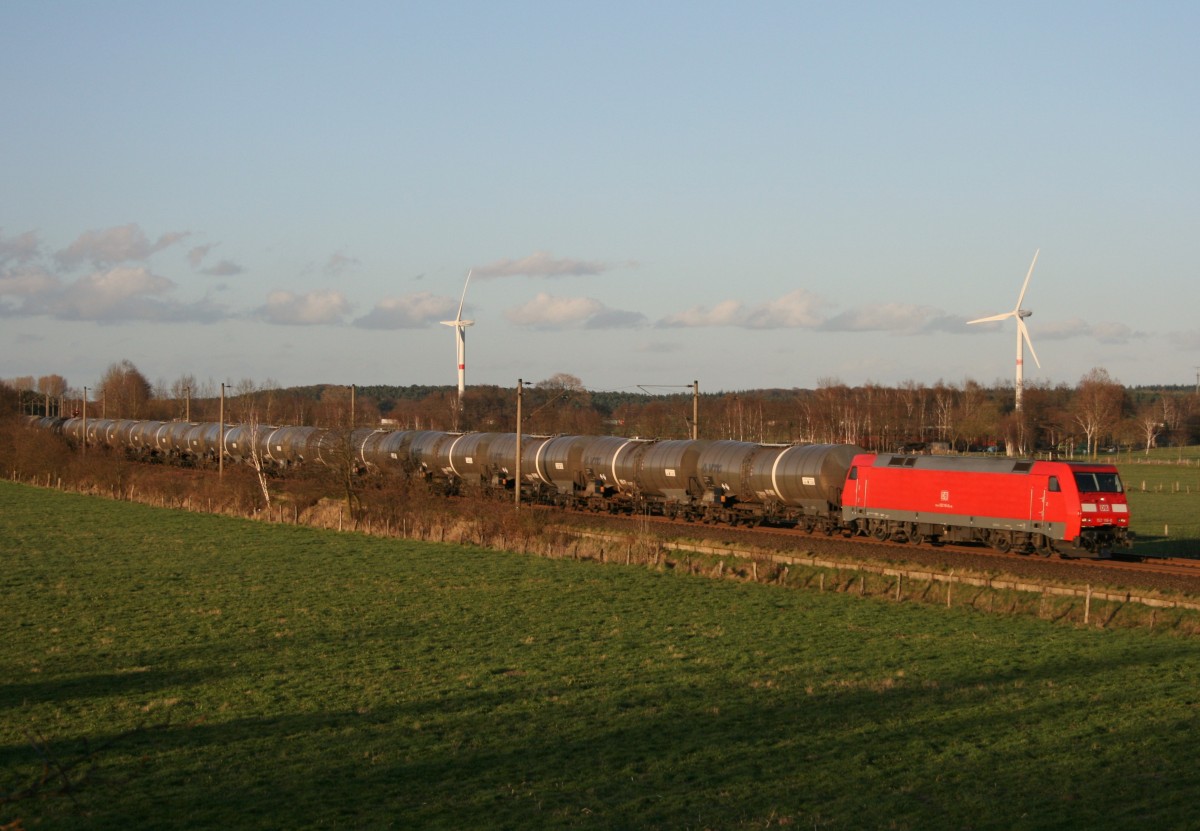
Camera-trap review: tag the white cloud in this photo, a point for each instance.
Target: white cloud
(225, 268)
(541, 264)
(197, 254)
(616, 319)
(411, 311)
(19, 249)
(316, 307)
(124, 243)
(898, 318)
(797, 309)
(1109, 332)
(28, 283)
(548, 311)
(124, 293)
(118, 294)
(1049, 330)
(1112, 332)
(725, 313)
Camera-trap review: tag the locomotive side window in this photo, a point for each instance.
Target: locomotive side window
(1098, 482)
(1053, 485)
(853, 474)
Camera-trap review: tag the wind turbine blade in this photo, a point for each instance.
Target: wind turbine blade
(1021, 297)
(1025, 334)
(1004, 316)
(464, 295)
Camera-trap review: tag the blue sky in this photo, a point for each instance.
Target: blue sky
(750, 195)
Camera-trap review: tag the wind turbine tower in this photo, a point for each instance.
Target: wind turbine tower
(1019, 315)
(460, 339)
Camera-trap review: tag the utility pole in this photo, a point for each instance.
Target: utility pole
(187, 411)
(517, 486)
(695, 410)
(221, 439)
(352, 406)
(84, 409)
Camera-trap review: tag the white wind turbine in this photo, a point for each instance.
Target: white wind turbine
(1019, 315)
(460, 338)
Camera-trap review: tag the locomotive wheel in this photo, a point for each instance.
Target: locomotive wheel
(917, 538)
(1002, 543)
(881, 532)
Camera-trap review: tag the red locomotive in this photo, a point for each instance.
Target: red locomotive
(1071, 508)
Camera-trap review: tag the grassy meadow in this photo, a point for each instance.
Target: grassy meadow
(166, 670)
(1164, 501)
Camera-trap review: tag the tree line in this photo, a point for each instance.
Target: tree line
(1096, 414)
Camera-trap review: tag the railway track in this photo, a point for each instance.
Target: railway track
(1183, 573)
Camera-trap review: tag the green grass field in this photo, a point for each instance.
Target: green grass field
(1164, 503)
(191, 671)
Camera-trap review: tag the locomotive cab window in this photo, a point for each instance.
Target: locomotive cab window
(853, 474)
(1053, 485)
(1089, 482)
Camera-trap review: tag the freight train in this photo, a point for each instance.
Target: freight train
(1030, 506)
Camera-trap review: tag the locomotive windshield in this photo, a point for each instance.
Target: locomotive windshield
(1089, 482)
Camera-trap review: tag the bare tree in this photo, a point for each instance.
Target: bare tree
(54, 388)
(1149, 423)
(977, 417)
(247, 407)
(1097, 406)
(125, 390)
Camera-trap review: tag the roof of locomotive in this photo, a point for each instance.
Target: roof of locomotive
(973, 464)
